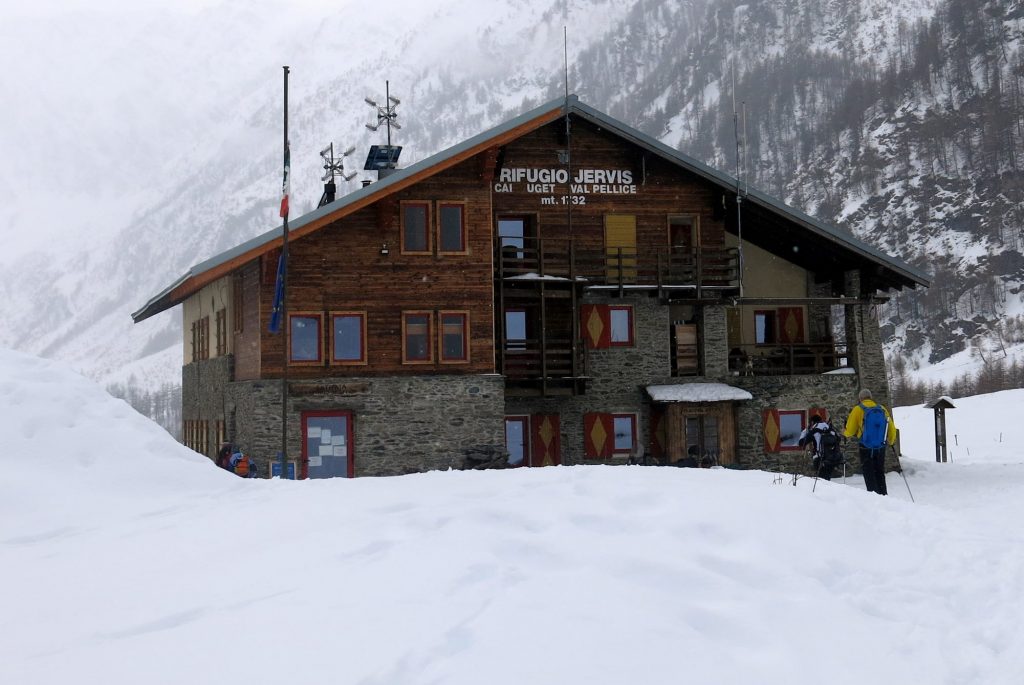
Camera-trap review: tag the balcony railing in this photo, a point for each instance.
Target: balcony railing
(622, 267)
(533, 359)
(796, 359)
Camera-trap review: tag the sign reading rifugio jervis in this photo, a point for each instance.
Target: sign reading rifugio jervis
(550, 183)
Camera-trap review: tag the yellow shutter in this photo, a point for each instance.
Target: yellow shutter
(620, 246)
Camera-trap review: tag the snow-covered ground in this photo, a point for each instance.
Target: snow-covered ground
(127, 558)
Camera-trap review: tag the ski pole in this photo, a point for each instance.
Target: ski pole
(899, 467)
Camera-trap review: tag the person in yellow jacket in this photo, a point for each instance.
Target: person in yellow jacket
(873, 426)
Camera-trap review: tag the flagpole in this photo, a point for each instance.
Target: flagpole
(284, 292)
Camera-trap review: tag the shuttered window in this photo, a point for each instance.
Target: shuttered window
(605, 435)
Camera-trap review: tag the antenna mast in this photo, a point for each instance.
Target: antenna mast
(383, 158)
(740, 189)
(332, 169)
(568, 129)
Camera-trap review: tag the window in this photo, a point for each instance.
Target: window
(512, 234)
(791, 425)
(238, 303)
(201, 339)
(222, 332)
(764, 327)
(348, 333)
(515, 440)
(454, 337)
(702, 439)
(415, 228)
(682, 234)
(416, 337)
(204, 438)
(451, 227)
(515, 329)
(624, 427)
(304, 338)
(621, 320)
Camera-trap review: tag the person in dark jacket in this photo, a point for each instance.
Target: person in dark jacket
(224, 456)
(810, 440)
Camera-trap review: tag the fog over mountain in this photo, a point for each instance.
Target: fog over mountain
(145, 139)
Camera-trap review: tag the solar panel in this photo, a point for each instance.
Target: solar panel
(382, 157)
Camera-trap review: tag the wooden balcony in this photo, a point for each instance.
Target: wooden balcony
(546, 366)
(673, 272)
(796, 359)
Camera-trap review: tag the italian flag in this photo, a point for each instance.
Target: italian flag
(285, 183)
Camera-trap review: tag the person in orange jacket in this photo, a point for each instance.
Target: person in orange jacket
(873, 426)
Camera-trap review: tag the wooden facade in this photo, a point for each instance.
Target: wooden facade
(580, 268)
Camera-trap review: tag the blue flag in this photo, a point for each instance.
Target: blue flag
(275, 313)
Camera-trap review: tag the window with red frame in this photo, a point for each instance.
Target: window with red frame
(451, 227)
(304, 338)
(791, 425)
(416, 227)
(454, 336)
(349, 338)
(416, 338)
(621, 321)
(624, 433)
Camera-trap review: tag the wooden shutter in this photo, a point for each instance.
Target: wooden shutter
(620, 238)
(546, 440)
(598, 436)
(820, 411)
(596, 325)
(770, 428)
(791, 325)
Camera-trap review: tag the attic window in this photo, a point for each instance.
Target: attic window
(451, 227)
(416, 227)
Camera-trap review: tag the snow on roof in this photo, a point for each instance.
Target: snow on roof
(697, 392)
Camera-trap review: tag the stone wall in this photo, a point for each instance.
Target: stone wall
(619, 374)
(203, 384)
(401, 424)
(714, 337)
(834, 392)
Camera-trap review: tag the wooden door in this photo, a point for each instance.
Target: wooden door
(547, 441)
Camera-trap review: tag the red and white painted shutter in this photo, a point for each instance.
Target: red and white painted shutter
(598, 435)
(791, 324)
(771, 430)
(546, 440)
(596, 325)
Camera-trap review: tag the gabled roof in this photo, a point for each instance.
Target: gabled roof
(206, 272)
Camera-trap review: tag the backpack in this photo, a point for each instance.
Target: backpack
(242, 466)
(876, 425)
(827, 445)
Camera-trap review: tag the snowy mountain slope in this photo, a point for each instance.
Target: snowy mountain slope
(877, 116)
(216, 167)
